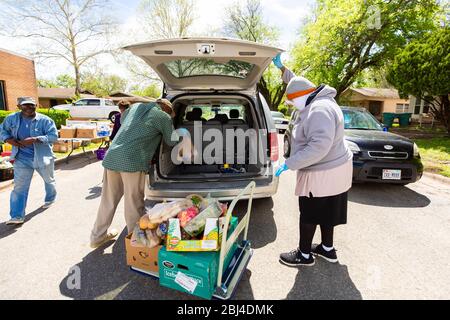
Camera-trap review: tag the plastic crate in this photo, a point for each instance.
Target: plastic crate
(6, 174)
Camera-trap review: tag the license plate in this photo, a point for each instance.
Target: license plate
(392, 174)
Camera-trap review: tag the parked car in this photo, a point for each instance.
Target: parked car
(378, 155)
(91, 108)
(213, 81)
(281, 123)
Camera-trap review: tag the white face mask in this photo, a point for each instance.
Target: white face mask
(300, 103)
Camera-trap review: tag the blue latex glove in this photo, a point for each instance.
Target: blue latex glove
(277, 61)
(281, 169)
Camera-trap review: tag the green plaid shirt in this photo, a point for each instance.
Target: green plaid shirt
(139, 136)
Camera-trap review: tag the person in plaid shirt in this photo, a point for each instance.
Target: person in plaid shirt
(127, 162)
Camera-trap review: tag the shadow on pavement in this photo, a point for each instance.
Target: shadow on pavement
(262, 229)
(78, 162)
(324, 281)
(106, 276)
(7, 230)
(94, 192)
(382, 195)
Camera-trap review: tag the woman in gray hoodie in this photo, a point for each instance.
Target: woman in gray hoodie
(323, 163)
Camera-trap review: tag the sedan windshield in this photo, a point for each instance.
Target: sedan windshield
(360, 120)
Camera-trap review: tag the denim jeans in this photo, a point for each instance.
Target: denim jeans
(23, 172)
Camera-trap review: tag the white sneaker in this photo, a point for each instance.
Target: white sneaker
(109, 236)
(15, 221)
(48, 205)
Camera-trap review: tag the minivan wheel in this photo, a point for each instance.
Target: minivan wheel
(286, 147)
(112, 116)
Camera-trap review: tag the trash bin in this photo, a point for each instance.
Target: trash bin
(388, 119)
(404, 119)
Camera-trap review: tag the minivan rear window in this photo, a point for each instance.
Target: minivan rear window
(207, 67)
(211, 112)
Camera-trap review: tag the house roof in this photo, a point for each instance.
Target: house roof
(121, 94)
(62, 93)
(385, 93)
(16, 54)
(118, 95)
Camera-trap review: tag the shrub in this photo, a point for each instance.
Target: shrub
(59, 116)
(283, 109)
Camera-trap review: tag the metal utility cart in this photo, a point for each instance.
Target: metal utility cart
(228, 278)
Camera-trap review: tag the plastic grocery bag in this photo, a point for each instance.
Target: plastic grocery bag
(197, 225)
(164, 211)
(144, 238)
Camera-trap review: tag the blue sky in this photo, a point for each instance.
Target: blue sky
(286, 15)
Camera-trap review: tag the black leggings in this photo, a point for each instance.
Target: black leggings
(307, 234)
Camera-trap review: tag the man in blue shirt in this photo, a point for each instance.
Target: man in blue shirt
(31, 134)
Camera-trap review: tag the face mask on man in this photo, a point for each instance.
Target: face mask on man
(300, 102)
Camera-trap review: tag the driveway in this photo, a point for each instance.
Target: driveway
(396, 245)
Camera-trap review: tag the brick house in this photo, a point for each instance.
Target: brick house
(17, 79)
(376, 100)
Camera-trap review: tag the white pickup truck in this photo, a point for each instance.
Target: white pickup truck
(91, 108)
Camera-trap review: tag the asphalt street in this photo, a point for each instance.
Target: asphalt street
(396, 245)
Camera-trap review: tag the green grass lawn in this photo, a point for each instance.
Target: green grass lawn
(90, 147)
(435, 153)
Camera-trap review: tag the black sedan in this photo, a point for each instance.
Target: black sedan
(378, 155)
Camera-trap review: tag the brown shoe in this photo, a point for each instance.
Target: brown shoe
(109, 236)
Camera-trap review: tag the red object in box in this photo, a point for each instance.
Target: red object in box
(6, 154)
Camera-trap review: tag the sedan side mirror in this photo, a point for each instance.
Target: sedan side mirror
(385, 128)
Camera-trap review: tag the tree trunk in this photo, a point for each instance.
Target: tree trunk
(77, 80)
(445, 105)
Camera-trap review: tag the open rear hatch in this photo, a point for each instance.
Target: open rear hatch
(206, 63)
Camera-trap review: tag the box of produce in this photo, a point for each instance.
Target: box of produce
(193, 272)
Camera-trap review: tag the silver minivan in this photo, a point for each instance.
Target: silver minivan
(213, 83)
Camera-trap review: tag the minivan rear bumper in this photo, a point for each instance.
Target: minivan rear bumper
(223, 191)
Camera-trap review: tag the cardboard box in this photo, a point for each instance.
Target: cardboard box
(141, 257)
(89, 133)
(76, 144)
(62, 146)
(193, 272)
(211, 238)
(67, 133)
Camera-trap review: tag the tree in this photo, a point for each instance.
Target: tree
(159, 19)
(152, 91)
(65, 81)
(102, 85)
(68, 30)
(165, 19)
(246, 22)
(422, 69)
(344, 38)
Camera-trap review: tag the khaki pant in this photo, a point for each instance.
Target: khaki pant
(116, 184)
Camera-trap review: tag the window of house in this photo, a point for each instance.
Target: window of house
(2, 95)
(402, 107)
(417, 106)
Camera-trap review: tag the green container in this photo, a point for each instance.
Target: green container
(404, 119)
(199, 266)
(388, 119)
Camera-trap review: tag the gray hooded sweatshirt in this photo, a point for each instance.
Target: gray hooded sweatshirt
(318, 134)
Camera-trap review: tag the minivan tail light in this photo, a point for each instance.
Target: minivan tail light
(274, 151)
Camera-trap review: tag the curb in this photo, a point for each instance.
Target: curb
(437, 177)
